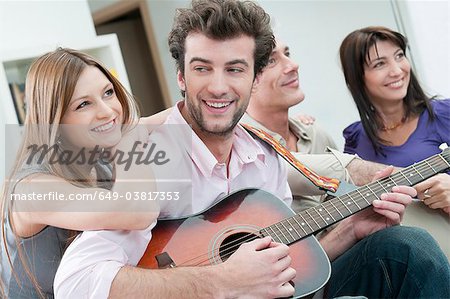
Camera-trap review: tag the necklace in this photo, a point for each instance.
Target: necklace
(394, 126)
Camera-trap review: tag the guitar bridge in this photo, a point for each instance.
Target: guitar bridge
(165, 261)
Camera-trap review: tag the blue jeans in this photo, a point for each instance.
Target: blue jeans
(397, 262)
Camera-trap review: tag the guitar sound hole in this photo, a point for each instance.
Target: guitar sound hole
(231, 243)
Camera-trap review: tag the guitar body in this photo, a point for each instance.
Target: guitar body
(210, 237)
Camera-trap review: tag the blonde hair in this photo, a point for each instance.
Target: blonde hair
(49, 87)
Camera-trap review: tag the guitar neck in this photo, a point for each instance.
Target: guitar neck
(317, 218)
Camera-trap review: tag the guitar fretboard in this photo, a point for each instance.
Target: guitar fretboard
(317, 218)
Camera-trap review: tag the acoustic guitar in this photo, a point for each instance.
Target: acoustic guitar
(210, 237)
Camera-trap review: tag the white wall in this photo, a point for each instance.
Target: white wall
(28, 24)
(427, 25)
(314, 30)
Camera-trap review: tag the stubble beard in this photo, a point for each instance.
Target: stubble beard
(195, 113)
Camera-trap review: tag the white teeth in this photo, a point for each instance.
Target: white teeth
(218, 105)
(104, 127)
(396, 84)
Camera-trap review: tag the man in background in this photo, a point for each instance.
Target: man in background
(278, 89)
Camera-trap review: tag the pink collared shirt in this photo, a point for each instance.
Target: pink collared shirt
(252, 165)
(92, 261)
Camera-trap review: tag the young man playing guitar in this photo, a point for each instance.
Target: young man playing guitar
(220, 47)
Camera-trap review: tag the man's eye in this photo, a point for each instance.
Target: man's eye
(200, 69)
(271, 61)
(235, 70)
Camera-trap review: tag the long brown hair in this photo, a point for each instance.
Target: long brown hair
(354, 54)
(49, 87)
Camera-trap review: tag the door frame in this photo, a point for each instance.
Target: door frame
(120, 8)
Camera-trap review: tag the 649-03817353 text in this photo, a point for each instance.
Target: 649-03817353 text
(97, 195)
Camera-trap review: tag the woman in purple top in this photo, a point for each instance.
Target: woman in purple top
(399, 124)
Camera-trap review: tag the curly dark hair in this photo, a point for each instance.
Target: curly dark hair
(221, 20)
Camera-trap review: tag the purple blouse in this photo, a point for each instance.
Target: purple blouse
(423, 142)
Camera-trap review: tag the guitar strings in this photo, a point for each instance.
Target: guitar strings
(339, 203)
(246, 238)
(233, 245)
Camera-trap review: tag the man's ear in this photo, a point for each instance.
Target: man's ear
(180, 80)
(256, 83)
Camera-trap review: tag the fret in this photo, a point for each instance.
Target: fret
(331, 215)
(287, 229)
(318, 226)
(281, 231)
(350, 203)
(292, 227)
(430, 166)
(368, 198)
(382, 186)
(410, 183)
(356, 203)
(386, 180)
(275, 235)
(411, 175)
(299, 225)
(320, 214)
(331, 202)
(438, 166)
(339, 198)
(414, 167)
(369, 194)
(398, 178)
(440, 162)
(306, 222)
(362, 196)
(392, 180)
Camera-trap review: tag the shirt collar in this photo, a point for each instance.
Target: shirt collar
(245, 148)
(296, 127)
(299, 129)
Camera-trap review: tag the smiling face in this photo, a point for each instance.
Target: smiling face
(278, 86)
(94, 115)
(218, 79)
(387, 73)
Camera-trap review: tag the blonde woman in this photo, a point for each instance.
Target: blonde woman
(76, 108)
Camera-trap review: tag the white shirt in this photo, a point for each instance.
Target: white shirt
(92, 261)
